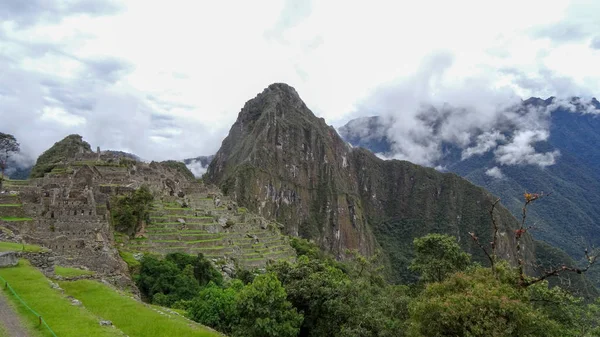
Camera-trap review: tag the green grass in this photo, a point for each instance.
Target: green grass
(132, 317)
(65, 319)
(11, 246)
(71, 272)
(14, 219)
(129, 259)
(11, 205)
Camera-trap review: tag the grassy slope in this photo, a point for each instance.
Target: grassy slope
(131, 317)
(64, 318)
(11, 246)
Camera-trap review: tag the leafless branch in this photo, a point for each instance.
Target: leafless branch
(476, 240)
(556, 271)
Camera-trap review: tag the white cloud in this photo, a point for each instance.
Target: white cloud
(495, 172)
(167, 79)
(197, 168)
(520, 150)
(484, 143)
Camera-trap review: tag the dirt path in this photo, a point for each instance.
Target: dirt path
(9, 319)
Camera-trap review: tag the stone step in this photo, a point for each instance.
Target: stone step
(174, 219)
(9, 199)
(190, 237)
(196, 243)
(175, 226)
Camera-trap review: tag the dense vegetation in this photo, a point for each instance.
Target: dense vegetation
(60, 151)
(130, 212)
(318, 296)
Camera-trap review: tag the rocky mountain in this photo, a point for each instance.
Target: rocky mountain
(284, 163)
(569, 218)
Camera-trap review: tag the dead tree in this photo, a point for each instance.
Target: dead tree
(522, 229)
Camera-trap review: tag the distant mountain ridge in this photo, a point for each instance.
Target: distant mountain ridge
(569, 218)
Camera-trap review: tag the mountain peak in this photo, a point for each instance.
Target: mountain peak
(281, 92)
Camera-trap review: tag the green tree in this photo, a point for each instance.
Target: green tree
(265, 311)
(437, 256)
(479, 303)
(8, 147)
(164, 283)
(204, 272)
(129, 212)
(217, 307)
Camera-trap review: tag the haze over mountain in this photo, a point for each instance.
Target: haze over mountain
(539, 145)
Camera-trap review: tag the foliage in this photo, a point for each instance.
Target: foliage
(60, 151)
(174, 278)
(129, 212)
(204, 272)
(347, 299)
(437, 256)
(304, 247)
(8, 147)
(477, 303)
(180, 167)
(216, 307)
(264, 310)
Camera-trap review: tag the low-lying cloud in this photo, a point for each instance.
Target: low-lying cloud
(495, 172)
(423, 114)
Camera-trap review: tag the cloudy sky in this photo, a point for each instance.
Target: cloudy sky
(166, 79)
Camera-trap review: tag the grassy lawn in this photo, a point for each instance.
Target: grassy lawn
(129, 259)
(132, 317)
(71, 272)
(13, 218)
(11, 246)
(65, 319)
(11, 205)
(3, 332)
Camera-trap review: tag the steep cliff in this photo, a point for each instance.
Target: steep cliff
(286, 164)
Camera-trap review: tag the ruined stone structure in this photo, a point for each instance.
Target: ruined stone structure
(68, 212)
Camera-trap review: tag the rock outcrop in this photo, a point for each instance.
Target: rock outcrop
(284, 163)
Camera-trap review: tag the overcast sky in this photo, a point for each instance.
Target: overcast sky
(166, 79)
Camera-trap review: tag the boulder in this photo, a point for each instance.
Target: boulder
(8, 259)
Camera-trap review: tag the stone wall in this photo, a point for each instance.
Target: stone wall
(8, 259)
(44, 261)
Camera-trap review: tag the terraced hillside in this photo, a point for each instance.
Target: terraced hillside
(214, 226)
(68, 210)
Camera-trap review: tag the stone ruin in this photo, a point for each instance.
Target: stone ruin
(69, 207)
(68, 212)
